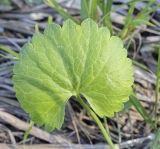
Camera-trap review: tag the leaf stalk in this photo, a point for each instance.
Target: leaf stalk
(96, 119)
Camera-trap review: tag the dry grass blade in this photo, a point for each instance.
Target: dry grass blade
(37, 132)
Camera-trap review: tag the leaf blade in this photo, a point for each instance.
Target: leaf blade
(69, 60)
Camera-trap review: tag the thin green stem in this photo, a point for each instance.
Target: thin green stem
(94, 116)
(157, 91)
(26, 134)
(119, 129)
(61, 10)
(106, 125)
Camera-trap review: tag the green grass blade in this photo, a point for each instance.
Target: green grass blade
(145, 9)
(88, 9)
(154, 8)
(106, 7)
(128, 21)
(157, 90)
(158, 69)
(84, 9)
(6, 57)
(8, 50)
(141, 66)
(103, 6)
(93, 9)
(155, 143)
(136, 103)
(142, 18)
(61, 10)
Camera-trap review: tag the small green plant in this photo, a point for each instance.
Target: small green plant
(84, 61)
(88, 9)
(100, 11)
(142, 18)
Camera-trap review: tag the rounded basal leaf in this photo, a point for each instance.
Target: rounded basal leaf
(70, 60)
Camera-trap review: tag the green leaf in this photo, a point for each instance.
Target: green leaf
(68, 61)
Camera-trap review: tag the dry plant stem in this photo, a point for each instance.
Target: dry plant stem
(157, 91)
(94, 116)
(37, 132)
